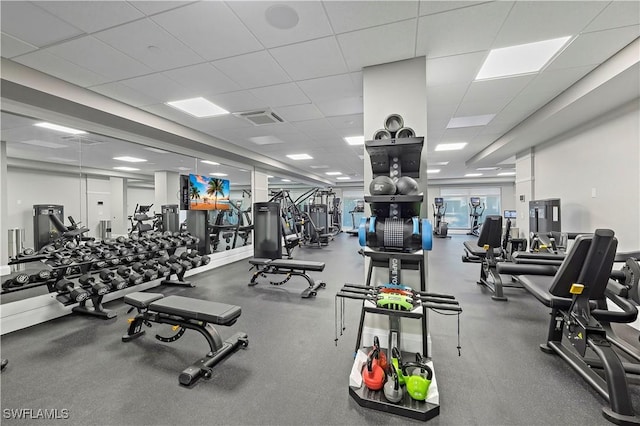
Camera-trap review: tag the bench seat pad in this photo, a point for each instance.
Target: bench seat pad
(142, 300)
(298, 264)
(200, 310)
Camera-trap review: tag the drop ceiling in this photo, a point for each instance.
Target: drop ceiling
(145, 53)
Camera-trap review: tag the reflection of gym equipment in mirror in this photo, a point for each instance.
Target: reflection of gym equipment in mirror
(440, 227)
(141, 222)
(475, 213)
(233, 226)
(359, 208)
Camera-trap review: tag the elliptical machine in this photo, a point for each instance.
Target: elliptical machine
(359, 208)
(475, 212)
(440, 228)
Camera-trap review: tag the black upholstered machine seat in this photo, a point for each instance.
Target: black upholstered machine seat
(473, 249)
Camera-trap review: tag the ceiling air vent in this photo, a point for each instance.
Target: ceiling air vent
(260, 117)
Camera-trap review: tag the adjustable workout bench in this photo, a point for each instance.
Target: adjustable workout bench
(185, 312)
(288, 267)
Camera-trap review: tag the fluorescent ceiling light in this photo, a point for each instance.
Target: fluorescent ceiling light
(473, 174)
(156, 150)
(63, 160)
(59, 128)
(300, 157)
(269, 176)
(430, 171)
(130, 159)
(439, 163)
(198, 107)
(343, 178)
(183, 168)
(243, 170)
(218, 174)
(265, 140)
(520, 59)
(485, 169)
(354, 140)
(333, 173)
(470, 121)
(286, 180)
(45, 144)
(319, 167)
(450, 146)
(126, 169)
(507, 174)
(213, 163)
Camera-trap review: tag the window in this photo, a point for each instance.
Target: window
(457, 201)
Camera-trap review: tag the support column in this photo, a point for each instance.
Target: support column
(525, 189)
(259, 187)
(4, 236)
(396, 88)
(119, 221)
(167, 188)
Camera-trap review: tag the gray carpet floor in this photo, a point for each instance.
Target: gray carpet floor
(292, 373)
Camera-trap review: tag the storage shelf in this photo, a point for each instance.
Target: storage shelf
(393, 198)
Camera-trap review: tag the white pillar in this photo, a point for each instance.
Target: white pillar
(259, 187)
(525, 189)
(167, 188)
(4, 236)
(119, 221)
(396, 88)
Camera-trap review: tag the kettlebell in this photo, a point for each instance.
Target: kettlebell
(382, 356)
(418, 384)
(392, 389)
(396, 362)
(372, 373)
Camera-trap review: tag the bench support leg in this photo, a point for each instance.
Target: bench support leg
(312, 289)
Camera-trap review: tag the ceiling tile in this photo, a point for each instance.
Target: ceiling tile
(210, 28)
(157, 86)
(253, 70)
(342, 106)
(429, 7)
(56, 66)
(502, 88)
(352, 15)
(202, 79)
(448, 93)
(356, 77)
(617, 14)
(299, 112)
(11, 46)
(312, 21)
(454, 69)
(326, 88)
(34, 25)
(281, 95)
(596, 47)
(149, 44)
(313, 126)
(123, 93)
(12, 121)
(481, 23)
(154, 6)
(91, 16)
(554, 81)
(461, 134)
(353, 121)
(311, 59)
(98, 57)
(378, 45)
(238, 101)
(489, 106)
(214, 124)
(531, 21)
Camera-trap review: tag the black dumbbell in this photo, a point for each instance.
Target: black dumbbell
(205, 259)
(40, 276)
(28, 252)
(48, 249)
(88, 280)
(110, 278)
(132, 277)
(70, 245)
(148, 274)
(184, 263)
(162, 270)
(17, 281)
(121, 239)
(174, 267)
(77, 294)
(191, 256)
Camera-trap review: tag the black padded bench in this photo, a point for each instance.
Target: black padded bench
(288, 267)
(187, 313)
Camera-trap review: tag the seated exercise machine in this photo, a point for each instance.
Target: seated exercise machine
(475, 212)
(359, 208)
(187, 313)
(579, 330)
(140, 218)
(440, 228)
(288, 267)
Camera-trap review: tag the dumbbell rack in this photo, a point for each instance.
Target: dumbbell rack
(394, 158)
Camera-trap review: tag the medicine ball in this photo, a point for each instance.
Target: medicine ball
(382, 185)
(407, 186)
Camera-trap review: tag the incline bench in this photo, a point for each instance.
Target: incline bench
(288, 267)
(183, 313)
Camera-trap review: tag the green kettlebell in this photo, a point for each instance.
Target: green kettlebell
(396, 360)
(418, 384)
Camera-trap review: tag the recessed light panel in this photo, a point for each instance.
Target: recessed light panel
(156, 150)
(126, 169)
(354, 140)
(319, 167)
(213, 163)
(130, 159)
(507, 174)
(265, 140)
(438, 163)
(286, 180)
(218, 174)
(45, 144)
(343, 178)
(300, 157)
(450, 146)
(432, 171)
(486, 169)
(59, 128)
(520, 59)
(184, 169)
(473, 174)
(333, 173)
(471, 121)
(198, 107)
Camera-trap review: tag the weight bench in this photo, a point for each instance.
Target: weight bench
(184, 313)
(289, 268)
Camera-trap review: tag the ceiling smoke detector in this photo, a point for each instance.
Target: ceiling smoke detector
(260, 117)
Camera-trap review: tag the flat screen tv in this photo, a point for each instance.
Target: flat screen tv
(510, 214)
(208, 193)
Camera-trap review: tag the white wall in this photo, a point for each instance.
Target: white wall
(143, 196)
(595, 172)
